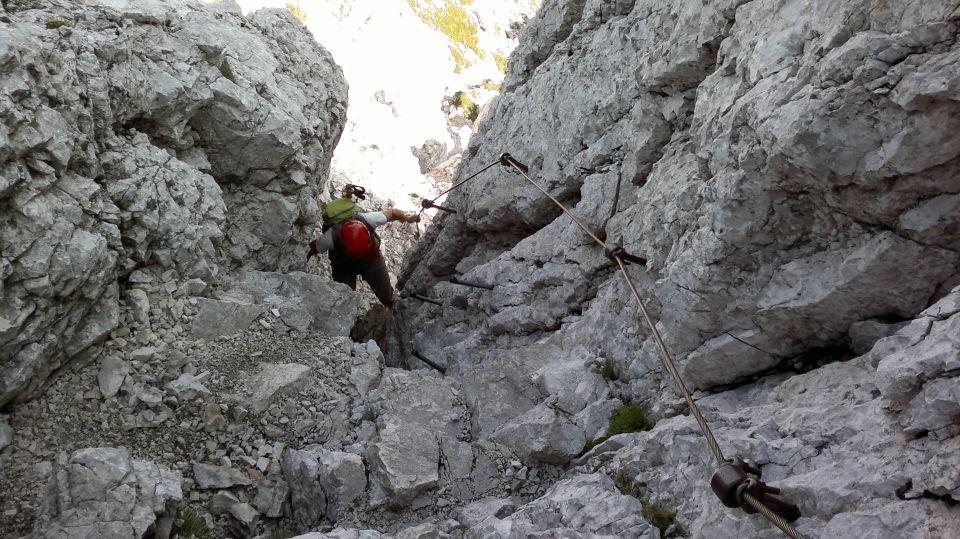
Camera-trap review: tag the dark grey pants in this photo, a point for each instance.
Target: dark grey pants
(375, 275)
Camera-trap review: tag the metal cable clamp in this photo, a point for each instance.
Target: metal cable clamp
(738, 477)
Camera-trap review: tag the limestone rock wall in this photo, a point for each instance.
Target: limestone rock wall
(173, 135)
(790, 170)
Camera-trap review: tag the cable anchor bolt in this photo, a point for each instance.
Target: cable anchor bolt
(426, 204)
(507, 160)
(615, 250)
(738, 477)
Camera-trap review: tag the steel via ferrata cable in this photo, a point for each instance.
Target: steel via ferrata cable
(665, 358)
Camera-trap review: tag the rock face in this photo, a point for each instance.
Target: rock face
(178, 135)
(790, 171)
(844, 442)
(101, 492)
(584, 506)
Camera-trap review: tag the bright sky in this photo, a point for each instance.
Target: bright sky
(384, 46)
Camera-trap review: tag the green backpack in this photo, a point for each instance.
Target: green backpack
(337, 211)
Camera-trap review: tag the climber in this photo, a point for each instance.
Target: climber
(349, 237)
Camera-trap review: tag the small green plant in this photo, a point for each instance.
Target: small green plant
(590, 444)
(606, 370)
(190, 524)
(369, 415)
(470, 109)
(227, 71)
(462, 528)
(501, 61)
(664, 519)
(298, 12)
(57, 23)
(628, 418)
(281, 531)
(625, 484)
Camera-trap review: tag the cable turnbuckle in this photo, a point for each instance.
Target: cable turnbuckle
(738, 477)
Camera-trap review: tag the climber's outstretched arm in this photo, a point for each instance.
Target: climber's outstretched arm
(394, 214)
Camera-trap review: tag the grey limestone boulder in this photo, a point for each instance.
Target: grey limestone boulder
(272, 494)
(366, 367)
(305, 302)
(308, 502)
(917, 371)
(102, 492)
(474, 513)
(171, 134)
(581, 506)
(344, 480)
(274, 380)
(323, 483)
(543, 434)
(420, 398)
(188, 387)
(208, 476)
(403, 464)
(113, 371)
(217, 318)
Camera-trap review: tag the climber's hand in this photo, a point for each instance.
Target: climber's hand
(413, 218)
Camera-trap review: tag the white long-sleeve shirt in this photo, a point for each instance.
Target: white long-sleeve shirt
(325, 239)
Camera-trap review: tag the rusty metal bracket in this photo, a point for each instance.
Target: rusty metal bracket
(454, 280)
(428, 361)
(426, 299)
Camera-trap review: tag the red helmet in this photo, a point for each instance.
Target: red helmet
(355, 238)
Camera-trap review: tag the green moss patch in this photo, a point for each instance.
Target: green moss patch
(189, 524)
(606, 370)
(664, 519)
(227, 71)
(628, 418)
(57, 23)
(625, 484)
